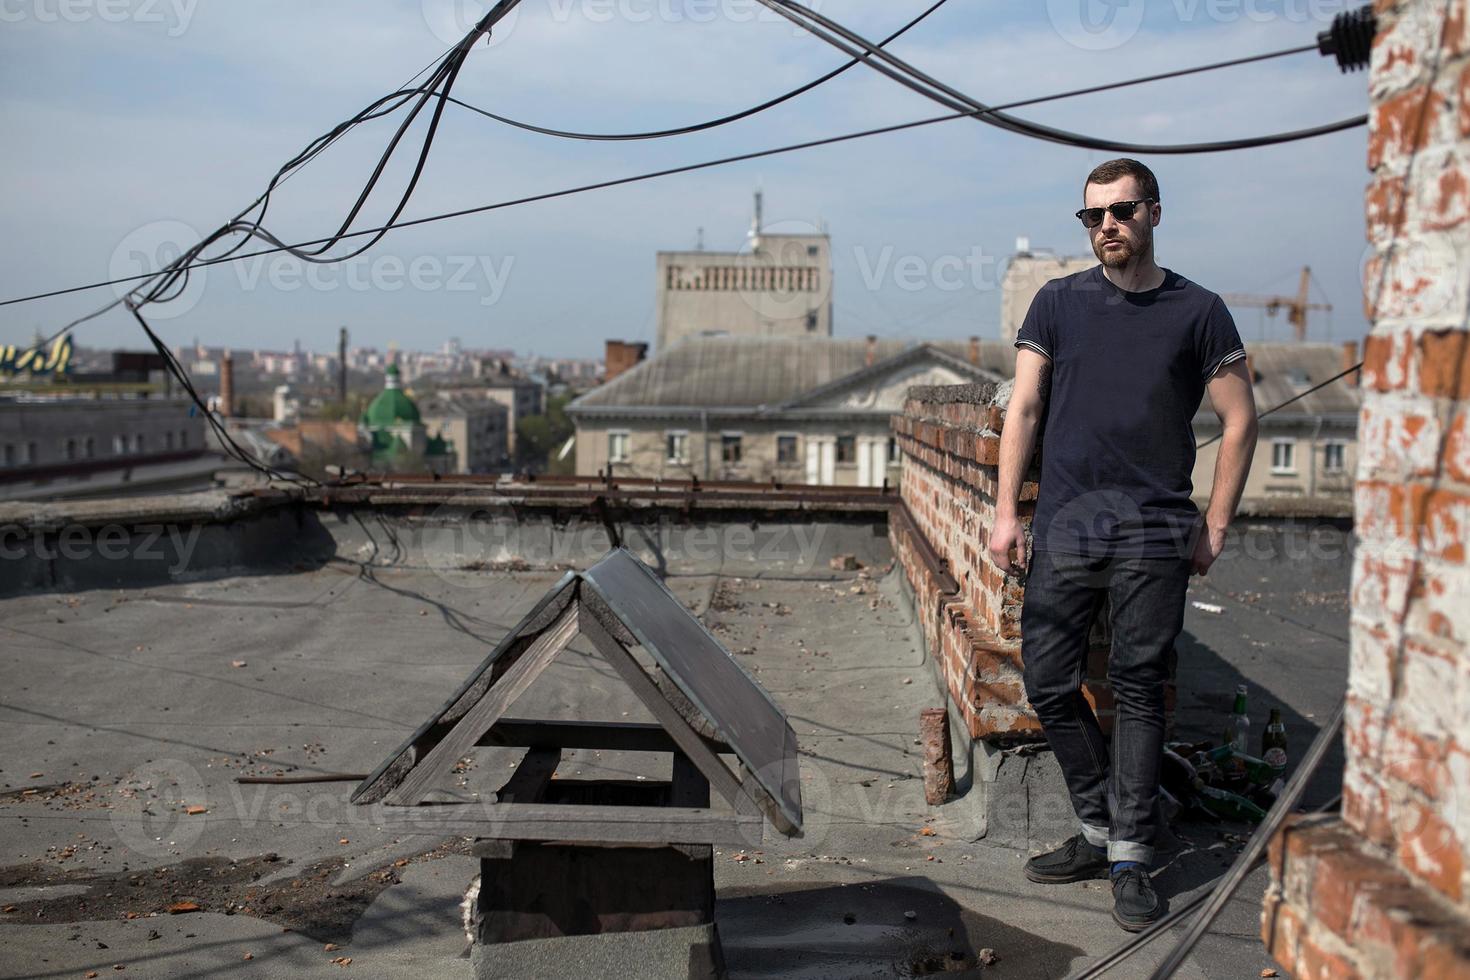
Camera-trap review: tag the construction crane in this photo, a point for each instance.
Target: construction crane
(1296, 306)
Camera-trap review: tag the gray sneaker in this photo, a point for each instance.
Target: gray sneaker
(1136, 905)
(1075, 860)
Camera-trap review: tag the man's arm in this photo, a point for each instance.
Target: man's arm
(1017, 440)
(1235, 403)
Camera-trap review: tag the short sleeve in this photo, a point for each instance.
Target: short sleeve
(1219, 342)
(1038, 330)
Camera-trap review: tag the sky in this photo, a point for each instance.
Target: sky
(137, 126)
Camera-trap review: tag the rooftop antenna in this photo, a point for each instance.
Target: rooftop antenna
(699, 239)
(755, 223)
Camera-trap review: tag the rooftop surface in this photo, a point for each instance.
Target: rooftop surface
(124, 708)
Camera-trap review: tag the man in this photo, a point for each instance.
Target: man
(1111, 366)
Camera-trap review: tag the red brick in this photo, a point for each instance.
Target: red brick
(1385, 361)
(1445, 525)
(1457, 449)
(1399, 125)
(1340, 876)
(1430, 850)
(1444, 364)
(1315, 963)
(1281, 931)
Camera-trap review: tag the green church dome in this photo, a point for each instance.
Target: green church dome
(391, 406)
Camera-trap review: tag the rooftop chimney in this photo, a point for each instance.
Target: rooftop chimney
(1349, 358)
(620, 356)
(975, 351)
(872, 355)
(226, 385)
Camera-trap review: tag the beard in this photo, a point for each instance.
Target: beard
(1121, 258)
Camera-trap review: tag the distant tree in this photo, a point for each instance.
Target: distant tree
(540, 437)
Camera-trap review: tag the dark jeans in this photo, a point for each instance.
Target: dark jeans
(1114, 789)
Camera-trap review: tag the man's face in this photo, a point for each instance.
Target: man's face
(1118, 243)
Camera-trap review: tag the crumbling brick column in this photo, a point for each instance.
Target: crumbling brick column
(1383, 891)
(950, 438)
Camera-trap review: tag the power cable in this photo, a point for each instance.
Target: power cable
(931, 88)
(1275, 408)
(686, 168)
(381, 107)
(697, 127)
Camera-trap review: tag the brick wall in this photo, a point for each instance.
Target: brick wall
(971, 616)
(1384, 890)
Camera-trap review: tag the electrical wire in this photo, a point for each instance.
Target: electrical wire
(931, 88)
(709, 124)
(1275, 408)
(689, 168)
(227, 441)
(292, 167)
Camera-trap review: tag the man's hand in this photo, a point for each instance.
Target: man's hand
(1005, 535)
(1211, 542)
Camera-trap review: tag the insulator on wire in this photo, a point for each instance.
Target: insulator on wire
(1350, 39)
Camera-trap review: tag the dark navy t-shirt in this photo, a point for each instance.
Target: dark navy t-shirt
(1117, 448)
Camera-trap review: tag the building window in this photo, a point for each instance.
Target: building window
(119, 445)
(730, 447)
(617, 447)
(786, 449)
(32, 453)
(846, 449)
(811, 320)
(1334, 457)
(71, 449)
(678, 447)
(138, 443)
(893, 451)
(811, 250)
(90, 447)
(10, 454)
(168, 440)
(183, 438)
(1283, 456)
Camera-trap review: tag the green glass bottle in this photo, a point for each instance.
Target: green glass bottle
(1237, 733)
(1273, 743)
(1227, 805)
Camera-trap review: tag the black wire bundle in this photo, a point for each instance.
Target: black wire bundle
(926, 85)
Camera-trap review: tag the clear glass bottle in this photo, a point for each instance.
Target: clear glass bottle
(1237, 732)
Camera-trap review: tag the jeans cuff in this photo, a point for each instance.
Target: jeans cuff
(1122, 850)
(1096, 836)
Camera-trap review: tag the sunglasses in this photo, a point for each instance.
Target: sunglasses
(1122, 211)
